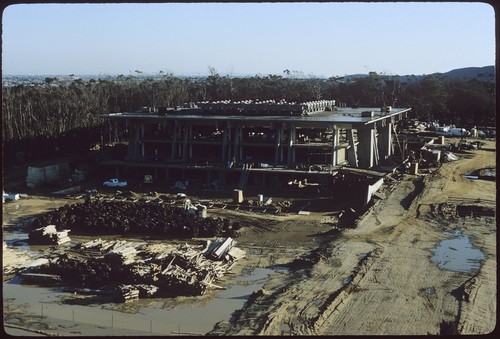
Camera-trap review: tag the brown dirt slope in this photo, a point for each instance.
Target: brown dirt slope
(378, 279)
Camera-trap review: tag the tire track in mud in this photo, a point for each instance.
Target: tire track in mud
(313, 300)
(335, 300)
(310, 312)
(312, 317)
(316, 289)
(302, 305)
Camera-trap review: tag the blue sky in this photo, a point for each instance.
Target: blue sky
(320, 39)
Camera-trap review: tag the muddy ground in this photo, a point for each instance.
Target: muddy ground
(375, 279)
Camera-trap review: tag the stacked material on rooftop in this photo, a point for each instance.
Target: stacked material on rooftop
(266, 107)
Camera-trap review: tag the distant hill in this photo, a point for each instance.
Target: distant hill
(486, 73)
(483, 73)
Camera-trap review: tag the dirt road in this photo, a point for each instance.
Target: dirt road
(378, 279)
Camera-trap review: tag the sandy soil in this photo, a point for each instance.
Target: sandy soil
(394, 288)
(375, 279)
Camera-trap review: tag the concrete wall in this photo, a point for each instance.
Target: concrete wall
(50, 174)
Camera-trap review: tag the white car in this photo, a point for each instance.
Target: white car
(114, 183)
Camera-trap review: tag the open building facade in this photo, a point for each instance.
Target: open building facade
(255, 143)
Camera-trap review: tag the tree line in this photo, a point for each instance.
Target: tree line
(62, 116)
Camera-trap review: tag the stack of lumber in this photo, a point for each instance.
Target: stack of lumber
(48, 235)
(121, 254)
(126, 293)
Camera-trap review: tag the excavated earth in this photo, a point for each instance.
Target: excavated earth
(378, 278)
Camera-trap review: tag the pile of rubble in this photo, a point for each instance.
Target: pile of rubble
(131, 270)
(139, 217)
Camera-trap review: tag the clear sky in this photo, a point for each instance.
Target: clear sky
(320, 39)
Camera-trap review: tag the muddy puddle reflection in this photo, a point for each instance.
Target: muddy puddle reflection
(175, 316)
(457, 254)
(53, 311)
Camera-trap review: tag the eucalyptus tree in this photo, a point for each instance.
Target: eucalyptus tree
(472, 102)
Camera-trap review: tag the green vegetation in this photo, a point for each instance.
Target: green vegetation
(54, 116)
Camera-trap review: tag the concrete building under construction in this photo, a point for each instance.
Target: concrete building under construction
(255, 142)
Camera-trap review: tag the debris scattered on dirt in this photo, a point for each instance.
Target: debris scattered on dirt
(129, 270)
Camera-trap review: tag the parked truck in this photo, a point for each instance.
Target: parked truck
(114, 183)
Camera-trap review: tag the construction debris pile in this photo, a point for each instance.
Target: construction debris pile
(140, 217)
(130, 270)
(48, 235)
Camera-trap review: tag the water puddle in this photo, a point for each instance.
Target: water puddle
(172, 316)
(429, 290)
(347, 281)
(457, 254)
(178, 316)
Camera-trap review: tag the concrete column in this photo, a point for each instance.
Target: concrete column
(190, 136)
(235, 142)
(185, 135)
(142, 142)
(352, 154)
(277, 146)
(229, 154)
(237, 146)
(224, 143)
(291, 150)
(335, 145)
(174, 140)
(240, 142)
(366, 154)
(385, 140)
(133, 142)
